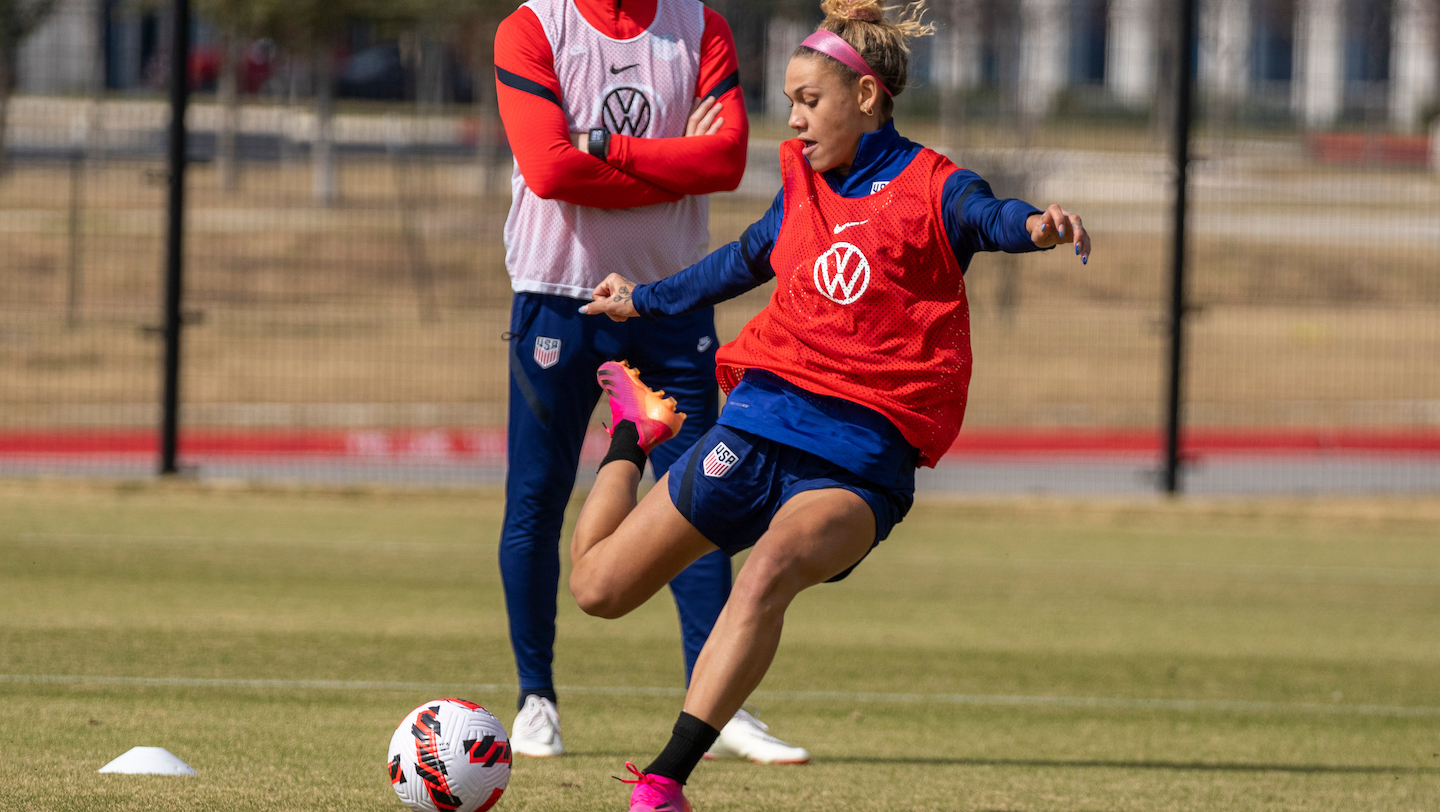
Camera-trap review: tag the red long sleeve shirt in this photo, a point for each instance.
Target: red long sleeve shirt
(638, 171)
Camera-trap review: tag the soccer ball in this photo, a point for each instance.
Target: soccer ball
(449, 756)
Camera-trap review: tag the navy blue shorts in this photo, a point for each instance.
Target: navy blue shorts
(731, 483)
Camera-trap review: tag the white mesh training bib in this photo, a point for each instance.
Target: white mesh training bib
(642, 87)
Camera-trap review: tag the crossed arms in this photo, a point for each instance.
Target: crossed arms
(637, 171)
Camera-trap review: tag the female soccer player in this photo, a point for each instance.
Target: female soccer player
(594, 96)
(853, 374)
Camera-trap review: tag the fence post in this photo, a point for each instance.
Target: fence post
(76, 237)
(175, 236)
(1184, 83)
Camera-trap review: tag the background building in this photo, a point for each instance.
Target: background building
(1326, 62)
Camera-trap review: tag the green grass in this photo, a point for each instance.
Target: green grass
(1295, 603)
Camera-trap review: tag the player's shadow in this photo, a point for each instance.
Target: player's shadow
(1108, 764)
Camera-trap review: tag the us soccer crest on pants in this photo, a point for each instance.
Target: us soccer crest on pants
(547, 351)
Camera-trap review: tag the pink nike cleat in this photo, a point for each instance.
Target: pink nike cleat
(652, 413)
(655, 793)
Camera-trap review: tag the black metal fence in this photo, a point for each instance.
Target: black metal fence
(344, 288)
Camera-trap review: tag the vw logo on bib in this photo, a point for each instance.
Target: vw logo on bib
(842, 274)
(626, 111)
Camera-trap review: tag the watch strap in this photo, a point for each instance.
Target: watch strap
(599, 145)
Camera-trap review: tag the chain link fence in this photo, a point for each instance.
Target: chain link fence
(345, 285)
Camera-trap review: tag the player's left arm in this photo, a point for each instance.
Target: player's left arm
(978, 221)
(1055, 226)
(713, 158)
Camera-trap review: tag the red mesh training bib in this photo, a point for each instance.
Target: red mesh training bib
(870, 303)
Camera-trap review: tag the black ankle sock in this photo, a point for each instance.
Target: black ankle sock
(543, 693)
(688, 743)
(625, 445)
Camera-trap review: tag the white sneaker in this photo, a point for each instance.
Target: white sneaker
(536, 732)
(744, 736)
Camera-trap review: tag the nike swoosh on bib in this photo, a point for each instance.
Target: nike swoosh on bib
(614, 69)
(839, 229)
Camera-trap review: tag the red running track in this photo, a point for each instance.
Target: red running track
(487, 445)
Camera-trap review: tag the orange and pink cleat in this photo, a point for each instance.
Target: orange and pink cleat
(653, 414)
(655, 793)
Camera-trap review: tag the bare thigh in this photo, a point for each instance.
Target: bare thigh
(652, 546)
(813, 537)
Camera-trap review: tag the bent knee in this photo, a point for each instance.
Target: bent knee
(769, 585)
(594, 599)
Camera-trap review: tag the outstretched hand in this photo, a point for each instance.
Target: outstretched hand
(1056, 226)
(612, 298)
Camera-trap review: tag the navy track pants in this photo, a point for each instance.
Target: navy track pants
(554, 353)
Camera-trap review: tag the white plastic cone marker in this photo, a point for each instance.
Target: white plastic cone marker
(148, 761)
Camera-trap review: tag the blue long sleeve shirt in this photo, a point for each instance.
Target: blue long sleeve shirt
(975, 221)
(847, 434)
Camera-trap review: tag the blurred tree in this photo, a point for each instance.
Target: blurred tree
(954, 18)
(313, 29)
(474, 44)
(238, 22)
(749, 21)
(18, 20)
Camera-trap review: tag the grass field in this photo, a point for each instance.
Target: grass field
(1292, 646)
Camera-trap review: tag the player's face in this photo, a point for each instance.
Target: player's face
(826, 112)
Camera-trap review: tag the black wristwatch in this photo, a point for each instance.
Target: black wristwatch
(599, 145)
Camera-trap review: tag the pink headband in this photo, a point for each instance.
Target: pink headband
(834, 46)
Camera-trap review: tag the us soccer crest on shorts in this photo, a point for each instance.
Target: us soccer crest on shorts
(719, 461)
(547, 351)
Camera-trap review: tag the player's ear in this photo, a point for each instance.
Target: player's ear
(869, 95)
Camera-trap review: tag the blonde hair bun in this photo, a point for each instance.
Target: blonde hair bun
(870, 11)
(838, 12)
(882, 42)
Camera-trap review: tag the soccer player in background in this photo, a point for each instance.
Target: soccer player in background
(622, 115)
(856, 372)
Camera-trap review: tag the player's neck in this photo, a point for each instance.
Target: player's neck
(867, 134)
(618, 19)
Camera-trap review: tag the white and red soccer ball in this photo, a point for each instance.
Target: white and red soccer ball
(449, 755)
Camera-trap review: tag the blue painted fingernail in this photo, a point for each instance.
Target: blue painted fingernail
(582, 308)
(1077, 250)
(1084, 260)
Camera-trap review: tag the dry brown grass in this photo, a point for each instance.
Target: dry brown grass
(399, 295)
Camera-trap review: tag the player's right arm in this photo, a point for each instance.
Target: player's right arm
(529, 96)
(726, 273)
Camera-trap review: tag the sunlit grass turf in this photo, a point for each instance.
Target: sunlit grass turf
(1330, 603)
